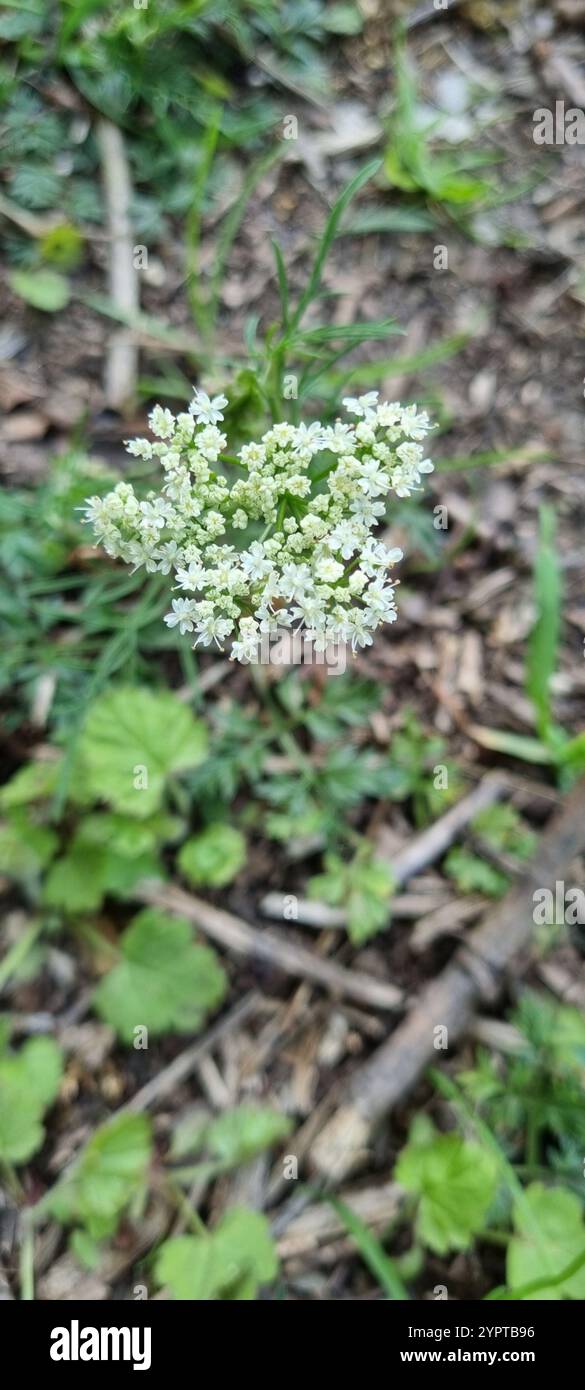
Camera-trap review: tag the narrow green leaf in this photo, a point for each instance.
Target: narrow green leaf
(352, 332)
(544, 638)
(282, 282)
(373, 1254)
(394, 219)
(329, 235)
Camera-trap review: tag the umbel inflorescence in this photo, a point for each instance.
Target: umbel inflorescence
(290, 543)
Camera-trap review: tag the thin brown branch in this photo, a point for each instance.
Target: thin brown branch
(248, 942)
(122, 356)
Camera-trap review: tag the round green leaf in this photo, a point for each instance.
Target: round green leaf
(165, 982)
(213, 858)
(133, 739)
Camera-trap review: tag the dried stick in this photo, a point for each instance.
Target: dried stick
(122, 357)
(249, 943)
(423, 850)
(477, 972)
(427, 847)
(29, 222)
(309, 912)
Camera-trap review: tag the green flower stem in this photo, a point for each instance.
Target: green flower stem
(233, 459)
(277, 524)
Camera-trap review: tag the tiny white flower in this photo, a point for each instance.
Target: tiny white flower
(380, 601)
(389, 413)
(402, 481)
(367, 511)
(309, 611)
(345, 538)
(363, 406)
(373, 482)
(161, 422)
(280, 436)
(206, 411)
(245, 646)
(183, 614)
(329, 570)
(357, 581)
(294, 580)
(167, 556)
(339, 438)
(210, 442)
(365, 433)
(410, 454)
(191, 577)
(309, 439)
(414, 423)
(186, 425)
(273, 622)
(253, 455)
(298, 485)
(140, 448)
(254, 561)
(376, 556)
(357, 630)
(213, 629)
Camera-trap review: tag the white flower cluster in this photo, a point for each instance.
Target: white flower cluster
(318, 492)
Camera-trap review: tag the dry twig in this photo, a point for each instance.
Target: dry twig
(249, 943)
(431, 844)
(122, 359)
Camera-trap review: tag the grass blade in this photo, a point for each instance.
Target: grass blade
(490, 458)
(372, 1252)
(354, 333)
(199, 310)
(371, 373)
(529, 750)
(231, 223)
(544, 639)
(397, 219)
(282, 283)
(329, 235)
